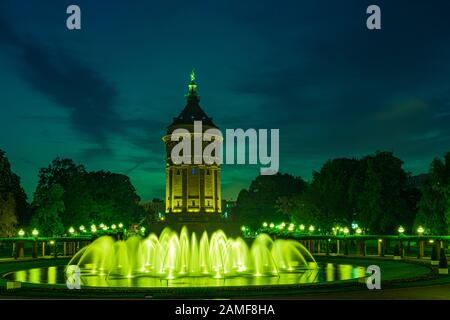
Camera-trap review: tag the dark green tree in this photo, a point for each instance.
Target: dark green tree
(48, 207)
(327, 201)
(434, 205)
(10, 185)
(259, 202)
(381, 203)
(91, 197)
(8, 219)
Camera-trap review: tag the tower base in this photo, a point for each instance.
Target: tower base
(198, 223)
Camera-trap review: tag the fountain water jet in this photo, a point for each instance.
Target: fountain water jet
(172, 256)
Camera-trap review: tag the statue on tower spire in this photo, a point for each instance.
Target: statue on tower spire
(192, 86)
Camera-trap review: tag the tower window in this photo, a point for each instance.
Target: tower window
(178, 172)
(207, 172)
(193, 203)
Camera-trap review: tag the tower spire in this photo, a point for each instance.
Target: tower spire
(192, 86)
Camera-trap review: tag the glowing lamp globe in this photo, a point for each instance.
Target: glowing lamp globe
(21, 233)
(346, 231)
(35, 232)
(71, 230)
(121, 225)
(265, 224)
(272, 225)
(113, 227)
(311, 228)
(401, 230)
(420, 230)
(302, 227)
(82, 228)
(358, 231)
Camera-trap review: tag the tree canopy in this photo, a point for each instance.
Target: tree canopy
(434, 204)
(88, 197)
(12, 192)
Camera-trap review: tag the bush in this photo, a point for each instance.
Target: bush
(434, 254)
(397, 250)
(443, 260)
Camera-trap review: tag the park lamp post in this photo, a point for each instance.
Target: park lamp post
(113, 226)
(93, 228)
(272, 225)
(420, 230)
(358, 231)
(82, 228)
(401, 230)
(302, 227)
(120, 225)
(35, 232)
(21, 233)
(71, 231)
(346, 231)
(311, 228)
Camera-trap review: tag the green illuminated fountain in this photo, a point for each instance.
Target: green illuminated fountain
(174, 256)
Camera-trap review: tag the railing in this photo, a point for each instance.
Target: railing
(339, 244)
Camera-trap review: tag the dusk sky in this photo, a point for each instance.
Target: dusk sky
(105, 94)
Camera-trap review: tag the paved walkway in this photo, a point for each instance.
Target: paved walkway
(435, 292)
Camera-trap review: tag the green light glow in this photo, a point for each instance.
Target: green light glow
(121, 225)
(113, 227)
(302, 227)
(358, 231)
(71, 230)
(82, 228)
(35, 232)
(311, 228)
(272, 225)
(21, 233)
(173, 255)
(401, 230)
(265, 224)
(346, 231)
(420, 230)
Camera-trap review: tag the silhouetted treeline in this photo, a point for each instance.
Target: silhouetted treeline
(373, 192)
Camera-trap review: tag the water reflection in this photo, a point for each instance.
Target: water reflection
(326, 273)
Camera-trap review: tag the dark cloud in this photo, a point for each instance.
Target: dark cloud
(71, 84)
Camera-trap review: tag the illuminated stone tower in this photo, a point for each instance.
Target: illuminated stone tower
(191, 189)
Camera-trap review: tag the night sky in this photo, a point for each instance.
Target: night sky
(104, 95)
